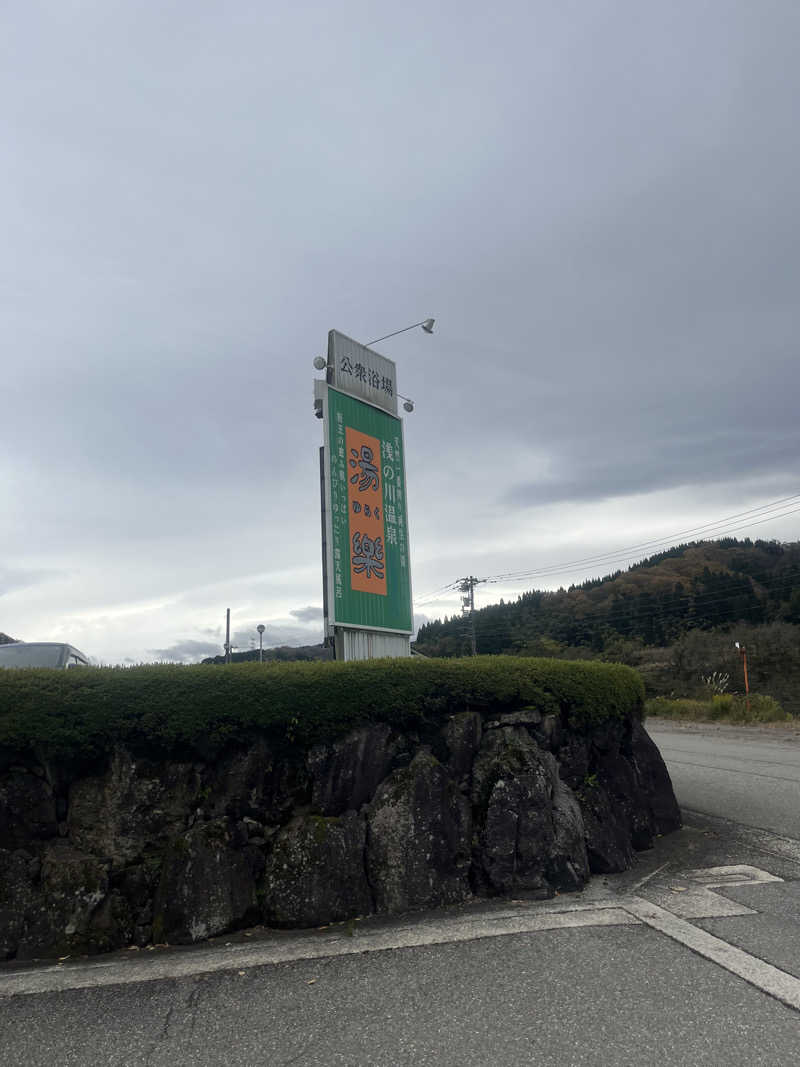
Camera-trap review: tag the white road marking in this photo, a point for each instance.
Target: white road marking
(738, 874)
(529, 918)
(698, 901)
(648, 877)
(776, 983)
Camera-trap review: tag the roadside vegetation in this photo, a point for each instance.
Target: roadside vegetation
(722, 707)
(182, 711)
(674, 617)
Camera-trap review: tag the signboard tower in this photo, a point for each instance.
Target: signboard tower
(365, 556)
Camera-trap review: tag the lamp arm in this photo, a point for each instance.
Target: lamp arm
(396, 332)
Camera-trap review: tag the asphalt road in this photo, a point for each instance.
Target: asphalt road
(620, 995)
(750, 775)
(691, 958)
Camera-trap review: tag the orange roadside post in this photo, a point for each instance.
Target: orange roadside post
(743, 653)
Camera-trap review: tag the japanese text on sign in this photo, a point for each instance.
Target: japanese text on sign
(365, 513)
(368, 550)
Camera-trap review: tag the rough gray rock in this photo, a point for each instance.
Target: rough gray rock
(550, 733)
(57, 908)
(655, 785)
(608, 837)
(27, 809)
(568, 863)
(346, 774)
(623, 788)
(462, 735)
(532, 834)
(134, 807)
(524, 717)
(159, 850)
(574, 759)
(256, 783)
(17, 898)
(137, 886)
(315, 872)
(206, 886)
(504, 753)
(516, 837)
(418, 838)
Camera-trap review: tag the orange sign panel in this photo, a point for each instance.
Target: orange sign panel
(365, 509)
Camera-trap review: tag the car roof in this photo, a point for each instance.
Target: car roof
(45, 644)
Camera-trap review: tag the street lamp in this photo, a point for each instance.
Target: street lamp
(320, 362)
(426, 324)
(260, 629)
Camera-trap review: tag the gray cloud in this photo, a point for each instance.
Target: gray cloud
(276, 634)
(186, 651)
(308, 614)
(596, 202)
(13, 579)
(612, 472)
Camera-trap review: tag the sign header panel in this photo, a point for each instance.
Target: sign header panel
(358, 370)
(369, 573)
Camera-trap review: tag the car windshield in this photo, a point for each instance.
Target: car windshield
(33, 655)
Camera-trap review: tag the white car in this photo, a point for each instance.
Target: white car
(41, 654)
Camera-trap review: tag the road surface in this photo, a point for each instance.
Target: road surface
(691, 958)
(750, 775)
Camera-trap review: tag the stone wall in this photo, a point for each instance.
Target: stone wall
(155, 851)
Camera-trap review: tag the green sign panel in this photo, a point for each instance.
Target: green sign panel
(368, 565)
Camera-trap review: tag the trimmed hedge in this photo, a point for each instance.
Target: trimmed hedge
(173, 710)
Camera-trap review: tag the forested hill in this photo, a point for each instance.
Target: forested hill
(281, 654)
(701, 585)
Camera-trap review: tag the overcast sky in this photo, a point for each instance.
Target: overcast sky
(596, 199)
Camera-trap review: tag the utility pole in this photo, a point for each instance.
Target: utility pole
(228, 636)
(466, 586)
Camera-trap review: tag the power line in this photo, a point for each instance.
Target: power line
(561, 568)
(669, 537)
(427, 596)
(619, 555)
(597, 615)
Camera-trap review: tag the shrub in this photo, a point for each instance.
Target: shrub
(200, 709)
(763, 708)
(681, 708)
(723, 707)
